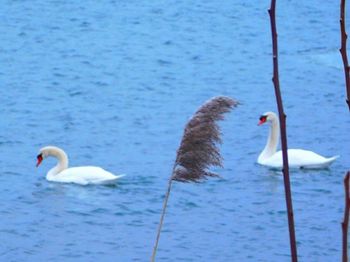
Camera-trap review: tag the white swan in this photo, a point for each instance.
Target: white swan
(297, 158)
(83, 175)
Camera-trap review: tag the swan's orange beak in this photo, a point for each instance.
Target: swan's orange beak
(262, 120)
(40, 159)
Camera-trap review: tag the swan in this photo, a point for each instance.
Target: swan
(83, 175)
(297, 158)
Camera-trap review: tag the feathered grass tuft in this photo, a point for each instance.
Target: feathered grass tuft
(198, 149)
(199, 146)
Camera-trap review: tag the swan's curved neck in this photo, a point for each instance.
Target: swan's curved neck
(62, 163)
(272, 141)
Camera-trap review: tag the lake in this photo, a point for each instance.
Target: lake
(113, 83)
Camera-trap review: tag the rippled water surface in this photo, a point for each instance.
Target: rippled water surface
(114, 82)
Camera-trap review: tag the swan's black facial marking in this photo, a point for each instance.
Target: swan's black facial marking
(262, 119)
(40, 159)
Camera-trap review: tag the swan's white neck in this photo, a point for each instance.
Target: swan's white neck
(272, 141)
(62, 161)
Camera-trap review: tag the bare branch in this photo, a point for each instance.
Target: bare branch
(282, 118)
(343, 51)
(345, 224)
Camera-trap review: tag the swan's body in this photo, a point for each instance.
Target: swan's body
(79, 175)
(297, 158)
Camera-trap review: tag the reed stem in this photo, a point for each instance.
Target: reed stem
(165, 203)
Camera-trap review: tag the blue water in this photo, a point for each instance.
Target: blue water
(114, 82)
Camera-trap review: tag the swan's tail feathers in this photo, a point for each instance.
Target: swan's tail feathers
(119, 176)
(110, 181)
(327, 163)
(324, 164)
(332, 159)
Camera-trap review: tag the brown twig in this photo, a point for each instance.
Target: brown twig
(345, 223)
(343, 51)
(282, 118)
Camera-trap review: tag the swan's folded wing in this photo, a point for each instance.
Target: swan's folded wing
(299, 158)
(86, 175)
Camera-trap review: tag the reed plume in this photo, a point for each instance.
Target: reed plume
(199, 149)
(199, 146)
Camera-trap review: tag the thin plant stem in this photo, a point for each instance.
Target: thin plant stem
(165, 203)
(282, 118)
(345, 223)
(343, 51)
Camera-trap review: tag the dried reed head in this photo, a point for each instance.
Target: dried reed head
(198, 149)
